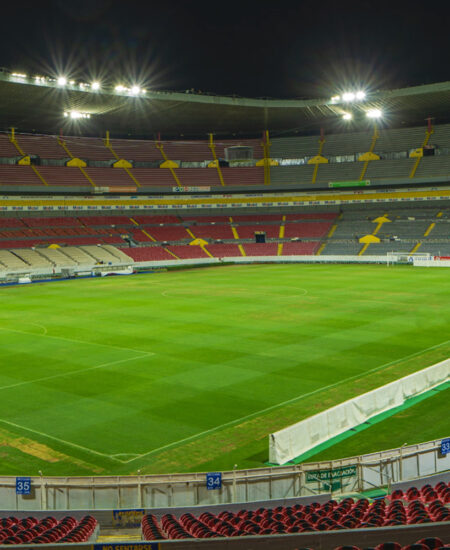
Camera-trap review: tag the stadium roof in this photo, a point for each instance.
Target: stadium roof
(30, 104)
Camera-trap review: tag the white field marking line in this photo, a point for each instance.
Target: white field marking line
(68, 443)
(39, 326)
(384, 302)
(70, 373)
(124, 454)
(288, 402)
(43, 327)
(263, 292)
(73, 340)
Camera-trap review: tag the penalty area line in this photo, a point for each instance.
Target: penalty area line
(57, 439)
(46, 335)
(78, 371)
(283, 403)
(63, 441)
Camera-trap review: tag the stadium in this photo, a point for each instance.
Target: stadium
(237, 329)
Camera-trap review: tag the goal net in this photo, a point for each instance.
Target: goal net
(405, 257)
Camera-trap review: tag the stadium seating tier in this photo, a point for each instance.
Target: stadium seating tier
(415, 506)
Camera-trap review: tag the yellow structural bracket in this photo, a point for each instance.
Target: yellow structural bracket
(241, 250)
(234, 231)
(38, 174)
(190, 233)
(367, 157)
(367, 240)
(330, 234)
(319, 160)
(429, 229)
(108, 145)
(201, 243)
(13, 140)
(148, 235)
(206, 251)
(160, 146)
(322, 246)
(428, 133)
(236, 236)
(171, 253)
(380, 221)
(83, 171)
(266, 143)
(281, 236)
(363, 249)
(216, 160)
(282, 228)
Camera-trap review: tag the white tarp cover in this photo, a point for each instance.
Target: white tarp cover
(295, 440)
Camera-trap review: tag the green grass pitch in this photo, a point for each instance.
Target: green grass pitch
(191, 370)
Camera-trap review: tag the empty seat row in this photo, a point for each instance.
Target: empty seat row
(344, 143)
(49, 147)
(298, 518)
(429, 543)
(70, 256)
(427, 493)
(46, 531)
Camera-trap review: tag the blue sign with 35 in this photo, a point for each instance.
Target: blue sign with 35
(23, 485)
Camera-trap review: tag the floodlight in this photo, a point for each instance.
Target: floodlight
(95, 85)
(75, 115)
(120, 88)
(62, 81)
(360, 95)
(135, 90)
(336, 98)
(19, 75)
(348, 96)
(374, 113)
(347, 116)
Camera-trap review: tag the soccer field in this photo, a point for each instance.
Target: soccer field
(191, 370)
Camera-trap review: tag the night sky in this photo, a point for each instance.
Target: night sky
(256, 49)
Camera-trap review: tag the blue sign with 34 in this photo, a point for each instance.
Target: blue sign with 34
(214, 480)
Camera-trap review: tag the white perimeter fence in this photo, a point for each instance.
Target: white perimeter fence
(91, 269)
(348, 475)
(123, 268)
(299, 438)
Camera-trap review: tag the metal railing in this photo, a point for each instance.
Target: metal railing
(174, 490)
